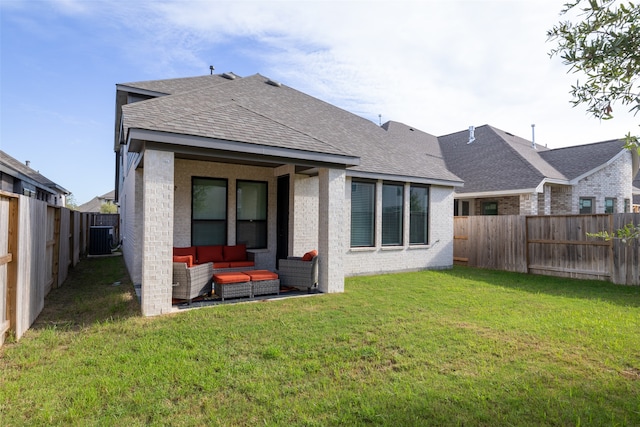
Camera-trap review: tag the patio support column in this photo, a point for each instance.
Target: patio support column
(157, 232)
(331, 230)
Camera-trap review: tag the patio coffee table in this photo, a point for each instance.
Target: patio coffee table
(232, 285)
(263, 282)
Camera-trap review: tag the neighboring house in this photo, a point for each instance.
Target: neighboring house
(508, 175)
(17, 177)
(96, 203)
(221, 159)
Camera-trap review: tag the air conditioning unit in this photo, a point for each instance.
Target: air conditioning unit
(100, 240)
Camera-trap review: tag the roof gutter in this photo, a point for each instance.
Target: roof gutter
(404, 178)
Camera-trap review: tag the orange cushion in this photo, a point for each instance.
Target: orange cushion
(257, 275)
(222, 278)
(209, 253)
(236, 264)
(191, 250)
(309, 255)
(184, 258)
(235, 253)
(220, 265)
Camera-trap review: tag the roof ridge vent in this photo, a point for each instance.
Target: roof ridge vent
(229, 76)
(274, 83)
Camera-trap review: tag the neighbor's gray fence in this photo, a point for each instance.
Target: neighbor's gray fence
(553, 245)
(39, 243)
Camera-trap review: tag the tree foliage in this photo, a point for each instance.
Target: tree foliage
(604, 46)
(108, 208)
(70, 202)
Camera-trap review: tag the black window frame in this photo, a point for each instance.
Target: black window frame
(397, 217)
(372, 216)
(581, 208)
(413, 214)
(194, 222)
(487, 211)
(259, 225)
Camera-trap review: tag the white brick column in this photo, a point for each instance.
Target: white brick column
(547, 200)
(157, 232)
(331, 230)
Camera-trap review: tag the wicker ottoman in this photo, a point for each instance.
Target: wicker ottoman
(263, 282)
(232, 285)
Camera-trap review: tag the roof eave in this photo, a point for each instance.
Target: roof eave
(137, 137)
(404, 178)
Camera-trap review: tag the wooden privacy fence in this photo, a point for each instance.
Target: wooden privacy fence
(39, 243)
(553, 245)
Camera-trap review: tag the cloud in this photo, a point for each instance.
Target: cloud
(440, 66)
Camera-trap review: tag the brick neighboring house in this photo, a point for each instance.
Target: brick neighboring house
(280, 170)
(508, 175)
(17, 177)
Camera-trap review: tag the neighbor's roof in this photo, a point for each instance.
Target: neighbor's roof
(96, 203)
(251, 111)
(13, 167)
(499, 161)
(580, 159)
(495, 161)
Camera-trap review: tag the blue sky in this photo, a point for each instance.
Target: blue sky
(440, 66)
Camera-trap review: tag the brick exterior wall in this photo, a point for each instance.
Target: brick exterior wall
(157, 232)
(438, 254)
(304, 209)
(613, 181)
(561, 197)
(187, 169)
(506, 205)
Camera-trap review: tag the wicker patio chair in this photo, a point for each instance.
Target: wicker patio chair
(296, 273)
(190, 282)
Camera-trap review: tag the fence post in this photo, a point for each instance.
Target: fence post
(12, 266)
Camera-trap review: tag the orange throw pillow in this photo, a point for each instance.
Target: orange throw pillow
(184, 258)
(309, 255)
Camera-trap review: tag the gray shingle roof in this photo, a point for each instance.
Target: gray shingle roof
(500, 161)
(248, 110)
(179, 85)
(580, 159)
(495, 161)
(22, 169)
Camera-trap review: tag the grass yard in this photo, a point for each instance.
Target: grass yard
(459, 347)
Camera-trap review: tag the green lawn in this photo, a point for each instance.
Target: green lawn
(459, 347)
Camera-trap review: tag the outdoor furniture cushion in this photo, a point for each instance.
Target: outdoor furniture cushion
(235, 253)
(220, 265)
(261, 275)
(309, 255)
(188, 259)
(224, 278)
(236, 264)
(209, 253)
(191, 250)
